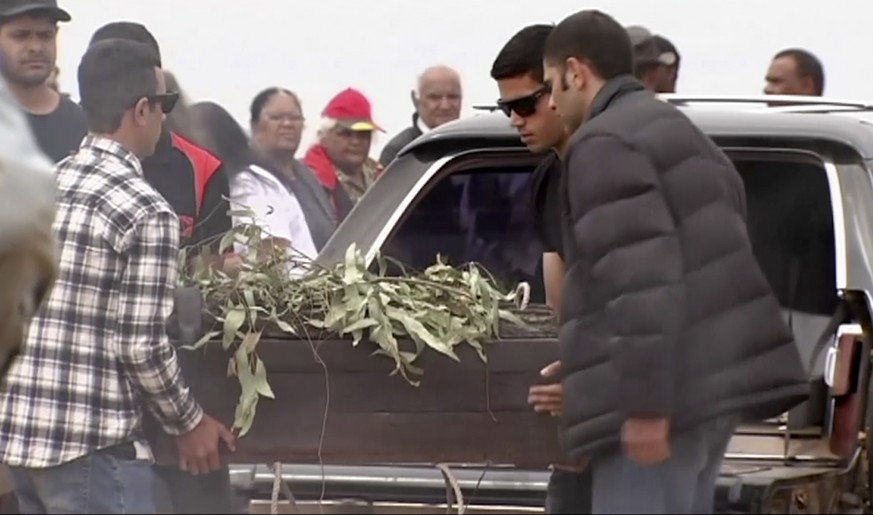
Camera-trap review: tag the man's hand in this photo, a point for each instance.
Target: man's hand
(646, 440)
(199, 451)
(547, 398)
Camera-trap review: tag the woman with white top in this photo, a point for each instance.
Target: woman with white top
(254, 186)
(277, 125)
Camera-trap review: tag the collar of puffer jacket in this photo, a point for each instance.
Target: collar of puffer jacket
(611, 91)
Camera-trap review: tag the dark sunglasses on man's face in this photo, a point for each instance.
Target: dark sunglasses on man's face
(167, 101)
(524, 106)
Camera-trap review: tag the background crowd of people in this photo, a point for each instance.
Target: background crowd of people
(143, 171)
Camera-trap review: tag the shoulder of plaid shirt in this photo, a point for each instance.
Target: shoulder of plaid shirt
(98, 350)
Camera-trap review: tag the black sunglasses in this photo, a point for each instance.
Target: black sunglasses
(524, 106)
(167, 101)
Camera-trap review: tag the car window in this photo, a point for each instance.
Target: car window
(478, 215)
(791, 227)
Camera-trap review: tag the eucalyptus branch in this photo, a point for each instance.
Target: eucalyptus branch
(346, 300)
(426, 283)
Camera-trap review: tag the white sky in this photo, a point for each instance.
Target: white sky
(228, 50)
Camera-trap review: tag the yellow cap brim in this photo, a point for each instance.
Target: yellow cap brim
(362, 126)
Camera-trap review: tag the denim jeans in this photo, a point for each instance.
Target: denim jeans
(569, 492)
(685, 483)
(186, 493)
(107, 481)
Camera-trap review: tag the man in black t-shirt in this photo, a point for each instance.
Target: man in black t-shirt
(28, 51)
(524, 98)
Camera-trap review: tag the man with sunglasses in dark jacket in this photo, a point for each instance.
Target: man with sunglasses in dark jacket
(524, 98)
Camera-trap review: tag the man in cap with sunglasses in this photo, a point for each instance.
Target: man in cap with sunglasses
(524, 98)
(72, 406)
(656, 60)
(28, 51)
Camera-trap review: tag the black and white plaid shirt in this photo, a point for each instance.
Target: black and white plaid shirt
(98, 350)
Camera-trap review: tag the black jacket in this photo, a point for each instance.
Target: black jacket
(393, 147)
(313, 198)
(666, 312)
(195, 185)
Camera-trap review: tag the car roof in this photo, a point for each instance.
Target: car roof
(718, 123)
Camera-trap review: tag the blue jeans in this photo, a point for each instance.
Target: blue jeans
(107, 481)
(685, 483)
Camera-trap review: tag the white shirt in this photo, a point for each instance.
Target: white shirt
(276, 210)
(421, 125)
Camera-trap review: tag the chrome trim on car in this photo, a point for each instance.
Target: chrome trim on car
(839, 217)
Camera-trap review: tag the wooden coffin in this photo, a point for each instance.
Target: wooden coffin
(357, 413)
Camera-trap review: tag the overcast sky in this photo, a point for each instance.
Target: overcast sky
(228, 50)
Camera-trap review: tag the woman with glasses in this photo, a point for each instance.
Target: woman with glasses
(255, 185)
(277, 125)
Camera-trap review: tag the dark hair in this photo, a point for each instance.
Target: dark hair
(113, 75)
(179, 119)
(522, 54)
(595, 37)
(215, 130)
(127, 30)
(261, 99)
(807, 65)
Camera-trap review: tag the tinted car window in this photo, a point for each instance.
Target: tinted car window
(481, 215)
(790, 223)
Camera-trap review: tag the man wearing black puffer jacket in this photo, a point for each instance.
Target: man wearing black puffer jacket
(670, 334)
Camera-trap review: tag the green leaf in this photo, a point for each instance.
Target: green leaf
(245, 414)
(420, 333)
(261, 384)
(364, 323)
(233, 320)
(285, 326)
(202, 341)
(383, 264)
(513, 318)
(248, 399)
(250, 341)
(335, 316)
(227, 242)
(352, 271)
(249, 297)
(479, 350)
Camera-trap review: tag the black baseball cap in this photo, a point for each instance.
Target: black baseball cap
(12, 8)
(648, 48)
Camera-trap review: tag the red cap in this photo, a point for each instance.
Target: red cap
(351, 109)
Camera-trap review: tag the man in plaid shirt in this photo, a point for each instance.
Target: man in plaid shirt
(70, 413)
